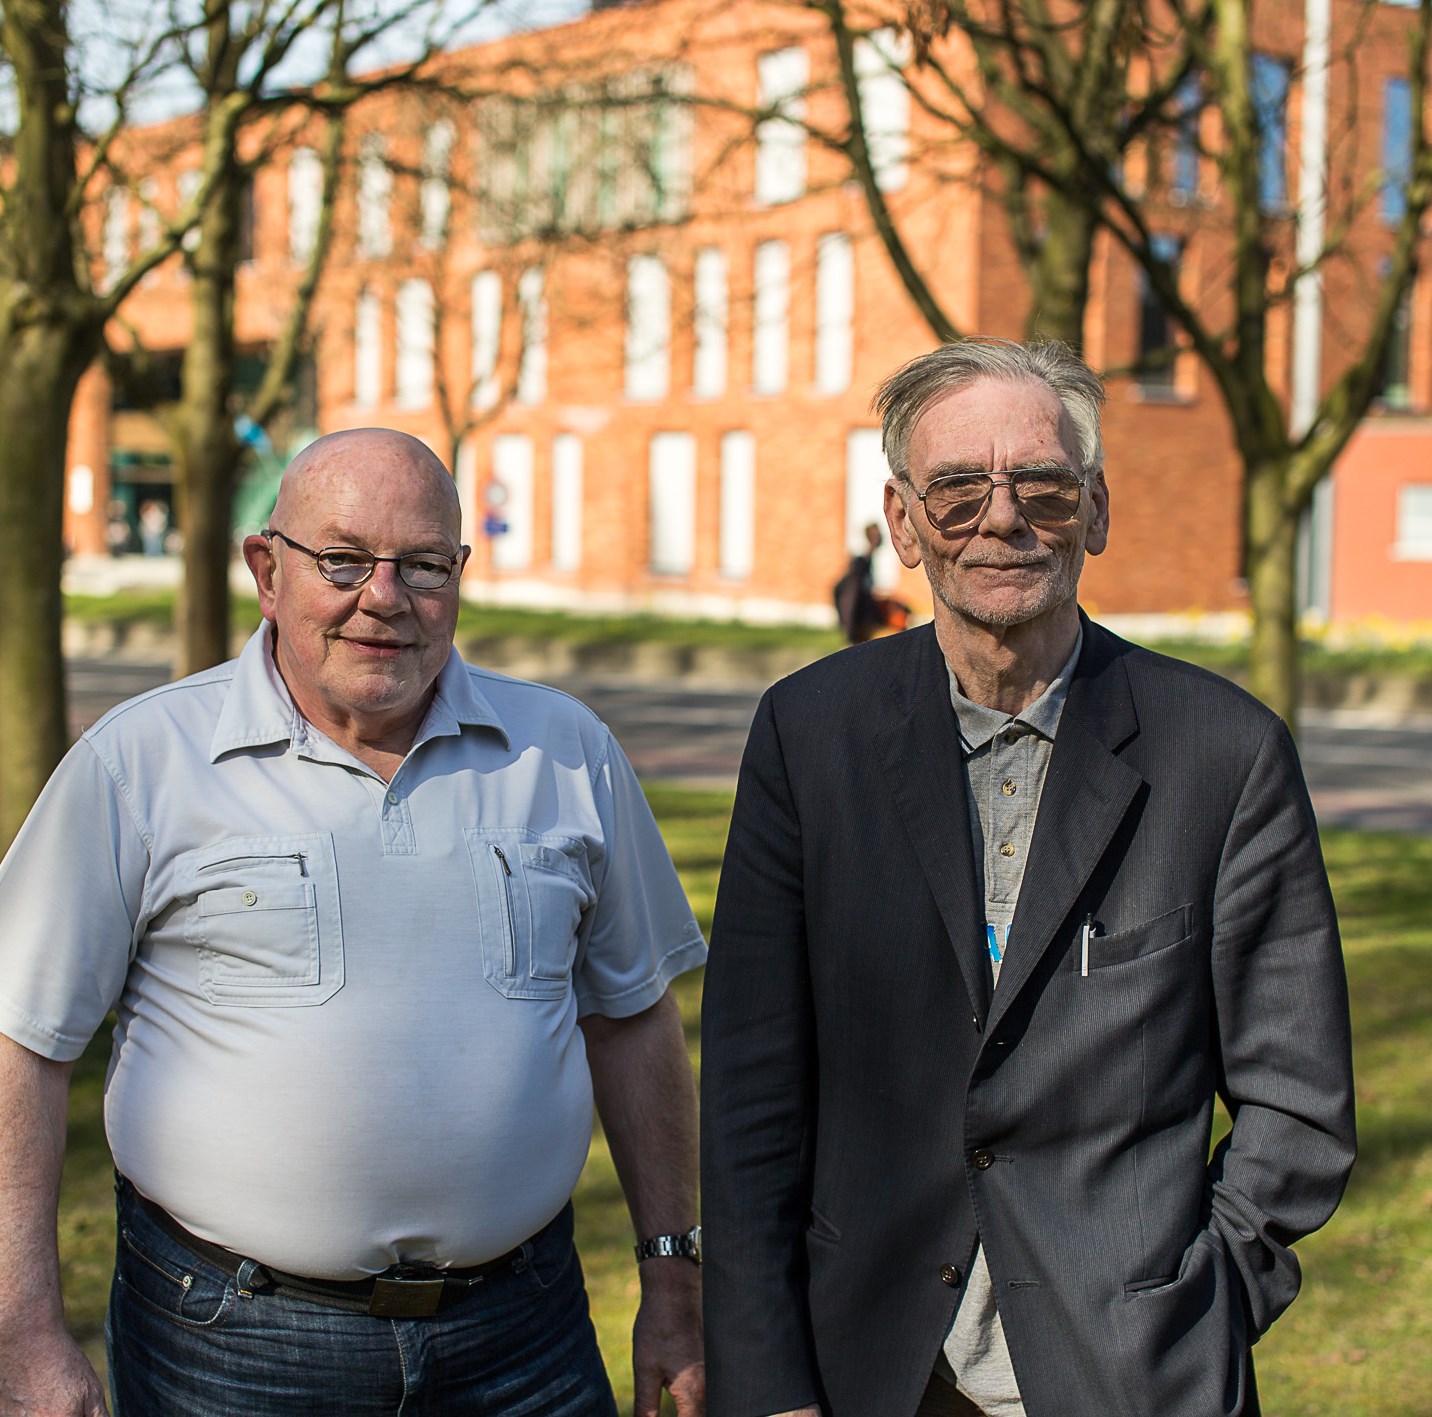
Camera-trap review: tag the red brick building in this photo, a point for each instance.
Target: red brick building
(648, 341)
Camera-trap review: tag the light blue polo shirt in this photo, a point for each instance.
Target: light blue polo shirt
(346, 1008)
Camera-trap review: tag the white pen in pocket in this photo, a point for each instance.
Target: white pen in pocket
(1085, 935)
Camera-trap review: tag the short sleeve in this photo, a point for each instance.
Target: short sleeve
(70, 893)
(640, 934)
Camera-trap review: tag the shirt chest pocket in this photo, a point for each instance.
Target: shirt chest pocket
(264, 920)
(532, 892)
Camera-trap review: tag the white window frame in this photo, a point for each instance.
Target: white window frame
(512, 469)
(711, 313)
(305, 203)
(648, 329)
(413, 364)
(770, 351)
(866, 473)
(1414, 522)
(880, 59)
(834, 313)
(738, 505)
(781, 79)
(567, 503)
(486, 339)
(532, 367)
(434, 194)
(671, 512)
(368, 350)
(375, 188)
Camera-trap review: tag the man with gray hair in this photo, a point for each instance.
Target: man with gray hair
(376, 925)
(1007, 906)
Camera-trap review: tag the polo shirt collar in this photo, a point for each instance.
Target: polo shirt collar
(979, 724)
(259, 710)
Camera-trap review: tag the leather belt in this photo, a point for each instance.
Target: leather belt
(402, 1291)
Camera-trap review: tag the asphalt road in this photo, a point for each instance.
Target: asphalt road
(1361, 775)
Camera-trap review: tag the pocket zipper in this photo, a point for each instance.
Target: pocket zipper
(510, 944)
(250, 860)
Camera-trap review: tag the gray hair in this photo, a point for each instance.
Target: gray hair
(911, 389)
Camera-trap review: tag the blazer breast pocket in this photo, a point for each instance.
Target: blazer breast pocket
(1139, 942)
(264, 919)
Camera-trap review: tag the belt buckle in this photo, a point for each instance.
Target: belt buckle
(404, 1293)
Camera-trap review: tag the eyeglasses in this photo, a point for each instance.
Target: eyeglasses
(351, 567)
(1045, 496)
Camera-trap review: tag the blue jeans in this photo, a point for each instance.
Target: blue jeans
(183, 1342)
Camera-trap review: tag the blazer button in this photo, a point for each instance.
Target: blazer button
(983, 1159)
(950, 1275)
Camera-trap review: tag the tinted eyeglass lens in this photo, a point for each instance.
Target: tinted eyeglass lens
(1045, 498)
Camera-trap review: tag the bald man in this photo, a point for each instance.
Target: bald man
(377, 927)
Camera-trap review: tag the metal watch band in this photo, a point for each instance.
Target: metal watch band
(684, 1247)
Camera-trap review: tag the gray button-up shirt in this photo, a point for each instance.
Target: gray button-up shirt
(1005, 762)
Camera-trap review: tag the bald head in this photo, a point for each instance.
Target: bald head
(367, 466)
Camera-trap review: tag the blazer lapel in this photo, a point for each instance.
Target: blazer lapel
(920, 753)
(1087, 793)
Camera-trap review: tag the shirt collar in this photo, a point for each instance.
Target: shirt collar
(259, 710)
(979, 724)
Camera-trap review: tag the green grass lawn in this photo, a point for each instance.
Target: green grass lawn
(1358, 1343)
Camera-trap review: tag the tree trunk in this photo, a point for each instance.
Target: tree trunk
(1059, 275)
(208, 451)
(39, 368)
(1273, 670)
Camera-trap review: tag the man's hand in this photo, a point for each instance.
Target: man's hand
(45, 1375)
(666, 1339)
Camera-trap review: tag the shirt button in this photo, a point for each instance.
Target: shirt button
(950, 1275)
(1007, 849)
(983, 1159)
(393, 798)
(1011, 737)
(1009, 787)
(250, 898)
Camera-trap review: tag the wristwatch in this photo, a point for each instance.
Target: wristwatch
(682, 1247)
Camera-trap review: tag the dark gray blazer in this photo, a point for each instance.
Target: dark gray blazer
(870, 1105)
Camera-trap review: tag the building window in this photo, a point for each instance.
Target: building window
(781, 78)
(708, 374)
(738, 505)
(367, 350)
(532, 365)
(771, 357)
(1269, 79)
(434, 194)
(1394, 389)
(1414, 522)
(1396, 148)
(510, 498)
(885, 105)
(114, 238)
(486, 338)
(187, 185)
(834, 312)
(414, 377)
(248, 219)
(375, 186)
(305, 201)
(1157, 331)
(672, 510)
(866, 473)
(1187, 147)
(648, 329)
(586, 158)
(566, 502)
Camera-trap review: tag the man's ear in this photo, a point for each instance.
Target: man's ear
(259, 557)
(898, 519)
(1098, 538)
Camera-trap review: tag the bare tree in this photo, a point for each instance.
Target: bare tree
(1072, 110)
(52, 319)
